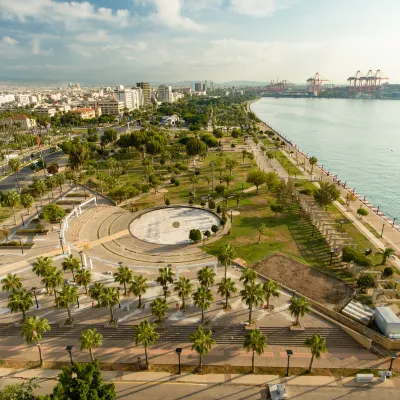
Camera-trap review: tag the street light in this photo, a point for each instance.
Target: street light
(165, 289)
(33, 289)
(119, 290)
(383, 227)
(341, 224)
(332, 253)
(61, 241)
(289, 354)
(69, 349)
(23, 222)
(391, 362)
(178, 351)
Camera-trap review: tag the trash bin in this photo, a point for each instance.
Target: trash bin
(368, 252)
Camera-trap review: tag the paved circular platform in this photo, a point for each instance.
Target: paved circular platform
(171, 225)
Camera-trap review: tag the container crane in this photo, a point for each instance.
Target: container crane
(315, 83)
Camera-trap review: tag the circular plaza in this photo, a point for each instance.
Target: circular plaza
(171, 225)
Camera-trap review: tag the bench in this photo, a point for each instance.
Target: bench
(362, 378)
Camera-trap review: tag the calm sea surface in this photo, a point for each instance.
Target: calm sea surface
(359, 140)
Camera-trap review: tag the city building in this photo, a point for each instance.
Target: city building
(85, 113)
(145, 86)
(171, 120)
(164, 94)
(111, 106)
(6, 98)
(22, 122)
(22, 99)
(50, 111)
(132, 98)
(209, 85)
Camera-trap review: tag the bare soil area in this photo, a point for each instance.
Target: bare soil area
(325, 289)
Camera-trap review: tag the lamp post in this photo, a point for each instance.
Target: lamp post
(313, 229)
(22, 247)
(178, 351)
(69, 349)
(383, 227)
(341, 224)
(165, 289)
(391, 362)
(77, 301)
(37, 209)
(330, 262)
(394, 220)
(33, 289)
(289, 354)
(23, 222)
(119, 291)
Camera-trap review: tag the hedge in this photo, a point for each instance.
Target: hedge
(351, 254)
(32, 231)
(67, 202)
(16, 244)
(77, 194)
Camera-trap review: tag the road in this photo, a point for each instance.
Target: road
(193, 391)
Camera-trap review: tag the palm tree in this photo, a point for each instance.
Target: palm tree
(225, 288)
(146, 335)
(42, 265)
(202, 341)
(317, 345)
(208, 180)
(228, 179)
(11, 283)
(226, 255)
(184, 287)
(72, 264)
(123, 276)
(165, 278)
(109, 298)
(13, 199)
(299, 307)
(248, 275)
(32, 331)
(231, 163)
(53, 279)
(20, 302)
(27, 201)
(66, 297)
(270, 288)
(83, 278)
(237, 195)
(139, 287)
(255, 342)
(261, 230)
(95, 291)
(159, 307)
(15, 166)
(89, 339)
(252, 295)
(244, 154)
(203, 298)
(313, 161)
(386, 253)
(194, 180)
(206, 276)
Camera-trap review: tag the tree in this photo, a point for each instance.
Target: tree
(139, 287)
(184, 287)
(27, 201)
(159, 307)
(228, 179)
(365, 282)
(72, 264)
(82, 381)
(257, 178)
(244, 154)
(237, 196)
(195, 235)
(53, 168)
(13, 199)
(194, 180)
(270, 156)
(248, 275)
(146, 335)
(386, 253)
(109, 136)
(276, 208)
(53, 212)
(60, 180)
(252, 295)
(271, 180)
(123, 276)
(39, 186)
(317, 345)
(270, 288)
(109, 298)
(362, 212)
(225, 288)
(83, 278)
(313, 161)
(11, 283)
(195, 147)
(226, 255)
(231, 164)
(78, 154)
(164, 278)
(299, 307)
(89, 339)
(206, 276)
(214, 228)
(203, 299)
(95, 292)
(202, 341)
(326, 194)
(19, 391)
(15, 165)
(20, 302)
(261, 230)
(32, 330)
(52, 280)
(66, 297)
(41, 265)
(92, 135)
(255, 342)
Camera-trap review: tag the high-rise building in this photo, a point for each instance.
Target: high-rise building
(198, 87)
(209, 85)
(145, 86)
(164, 94)
(132, 98)
(111, 106)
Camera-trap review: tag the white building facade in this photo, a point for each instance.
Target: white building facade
(131, 97)
(164, 94)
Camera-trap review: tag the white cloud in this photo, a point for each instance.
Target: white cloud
(8, 40)
(169, 13)
(100, 36)
(35, 46)
(81, 50)
(66, 12)
(257, 8)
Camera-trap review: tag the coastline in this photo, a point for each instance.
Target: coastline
(329, 175)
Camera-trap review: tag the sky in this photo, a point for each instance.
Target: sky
(125, 41)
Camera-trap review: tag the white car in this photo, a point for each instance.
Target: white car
(277, 391)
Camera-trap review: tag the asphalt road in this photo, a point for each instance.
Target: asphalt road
(183, 391)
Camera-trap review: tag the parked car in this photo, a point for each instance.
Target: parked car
(277, 391)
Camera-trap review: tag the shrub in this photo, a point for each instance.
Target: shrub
(388, 271)
(195, 235)
(53, 212)
(31, 231)
(223, 220)
(191, 201)
(172, 180)
(365, 281)
(211, 204)
(276, 208)
(307, 192)
(214, 228)
(219, 209)
(197, 172)
(362, 212)
(16, 244)
(167, 201)
(67, 202)
(177, 182)
(203, 203)
(220, 189)
(351, 254)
